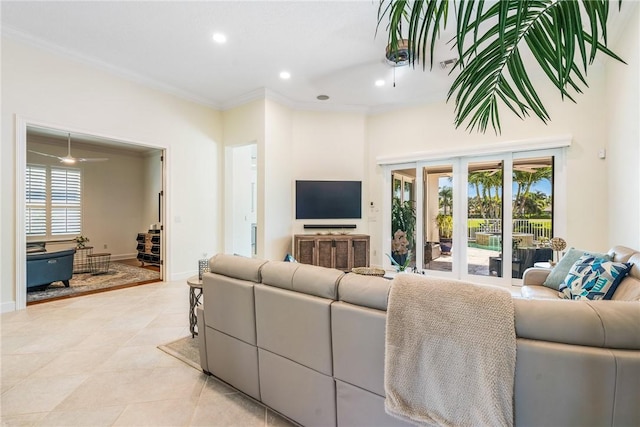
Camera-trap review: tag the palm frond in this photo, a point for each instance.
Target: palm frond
(563, 36)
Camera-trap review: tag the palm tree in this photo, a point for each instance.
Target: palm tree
(446, 199)
(563, 36)
(535, 204)
(525, 180)
(475, 179)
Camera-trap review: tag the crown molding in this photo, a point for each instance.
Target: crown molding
(258, 94)
(14, 34)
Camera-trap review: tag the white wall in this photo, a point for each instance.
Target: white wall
(430, 128)
(329, 146)
(623, 136)
(244, 125)
(48, 89)
(293, 145)
(241, 203)
(275, 169)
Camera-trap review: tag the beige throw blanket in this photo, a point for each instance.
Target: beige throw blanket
(450, 353)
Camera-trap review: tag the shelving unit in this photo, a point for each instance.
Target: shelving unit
(149, 247)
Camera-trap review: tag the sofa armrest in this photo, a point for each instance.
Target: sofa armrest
(539, 292)
(606, 324)
(535, 276)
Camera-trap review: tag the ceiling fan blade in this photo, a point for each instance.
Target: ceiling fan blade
(96, 159)
(45, 154)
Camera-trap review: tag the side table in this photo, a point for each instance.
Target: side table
(81, 259)
(195, 295)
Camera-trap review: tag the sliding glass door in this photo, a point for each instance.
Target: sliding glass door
(438, 217)
(478, 218)
(485, 191)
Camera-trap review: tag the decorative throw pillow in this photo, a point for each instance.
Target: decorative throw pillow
(593, 278)
(560, 271)
(289, 258)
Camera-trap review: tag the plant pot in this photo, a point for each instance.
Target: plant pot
(445, 245)
(399, 258)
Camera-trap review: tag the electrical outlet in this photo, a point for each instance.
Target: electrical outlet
(105, 246)
(375, 252)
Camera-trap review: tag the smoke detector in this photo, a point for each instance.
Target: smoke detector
(400, 56)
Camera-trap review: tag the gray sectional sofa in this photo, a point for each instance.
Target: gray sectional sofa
(628, 290)
(309, 342)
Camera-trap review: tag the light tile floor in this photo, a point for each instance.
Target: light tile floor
(94, 361)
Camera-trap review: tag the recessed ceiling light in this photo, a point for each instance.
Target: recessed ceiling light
(322, 97)
(379, 82)
(284, 75)
(219, 38)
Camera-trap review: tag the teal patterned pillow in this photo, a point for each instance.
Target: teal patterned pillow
(593, 278)
(560, 271)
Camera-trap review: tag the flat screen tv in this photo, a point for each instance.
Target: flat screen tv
(328, 199)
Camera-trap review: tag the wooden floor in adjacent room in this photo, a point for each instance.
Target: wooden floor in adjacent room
(130, 273)
(136, 263)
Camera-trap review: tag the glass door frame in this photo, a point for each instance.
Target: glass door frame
(506, 159)
(460, 166)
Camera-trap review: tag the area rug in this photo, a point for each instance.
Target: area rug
(119, 275)
(185, 349)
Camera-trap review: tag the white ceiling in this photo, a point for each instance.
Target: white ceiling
(329, 47)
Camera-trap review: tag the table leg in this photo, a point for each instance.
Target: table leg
(194, 299)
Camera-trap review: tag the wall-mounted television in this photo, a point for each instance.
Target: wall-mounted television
(328, 199)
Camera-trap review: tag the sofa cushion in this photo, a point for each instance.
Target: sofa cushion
(560, 271)
(357, 335)
(236, 266)
(295, 325)
(593, 278)
(309, 279)
(302, 394)
(230, 306)
(368, 291)
(628, 290)
(539, 292)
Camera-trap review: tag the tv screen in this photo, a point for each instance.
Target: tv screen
(328, 199)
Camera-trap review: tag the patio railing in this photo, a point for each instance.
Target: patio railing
(539, 228)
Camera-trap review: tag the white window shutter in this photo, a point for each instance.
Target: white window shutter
(36, 200)
(66, 212)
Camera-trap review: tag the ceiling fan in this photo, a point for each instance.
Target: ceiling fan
(69, 159)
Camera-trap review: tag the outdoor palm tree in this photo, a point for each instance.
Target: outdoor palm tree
(564, 36)
(524, 182)
(446, 199)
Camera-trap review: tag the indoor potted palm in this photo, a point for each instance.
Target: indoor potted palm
(445, 229)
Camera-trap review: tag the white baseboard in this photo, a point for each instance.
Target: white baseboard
(123, 256)
(6, 307)
(183, 275)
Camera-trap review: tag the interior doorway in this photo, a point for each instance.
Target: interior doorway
(241, 200)
(120, 197)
